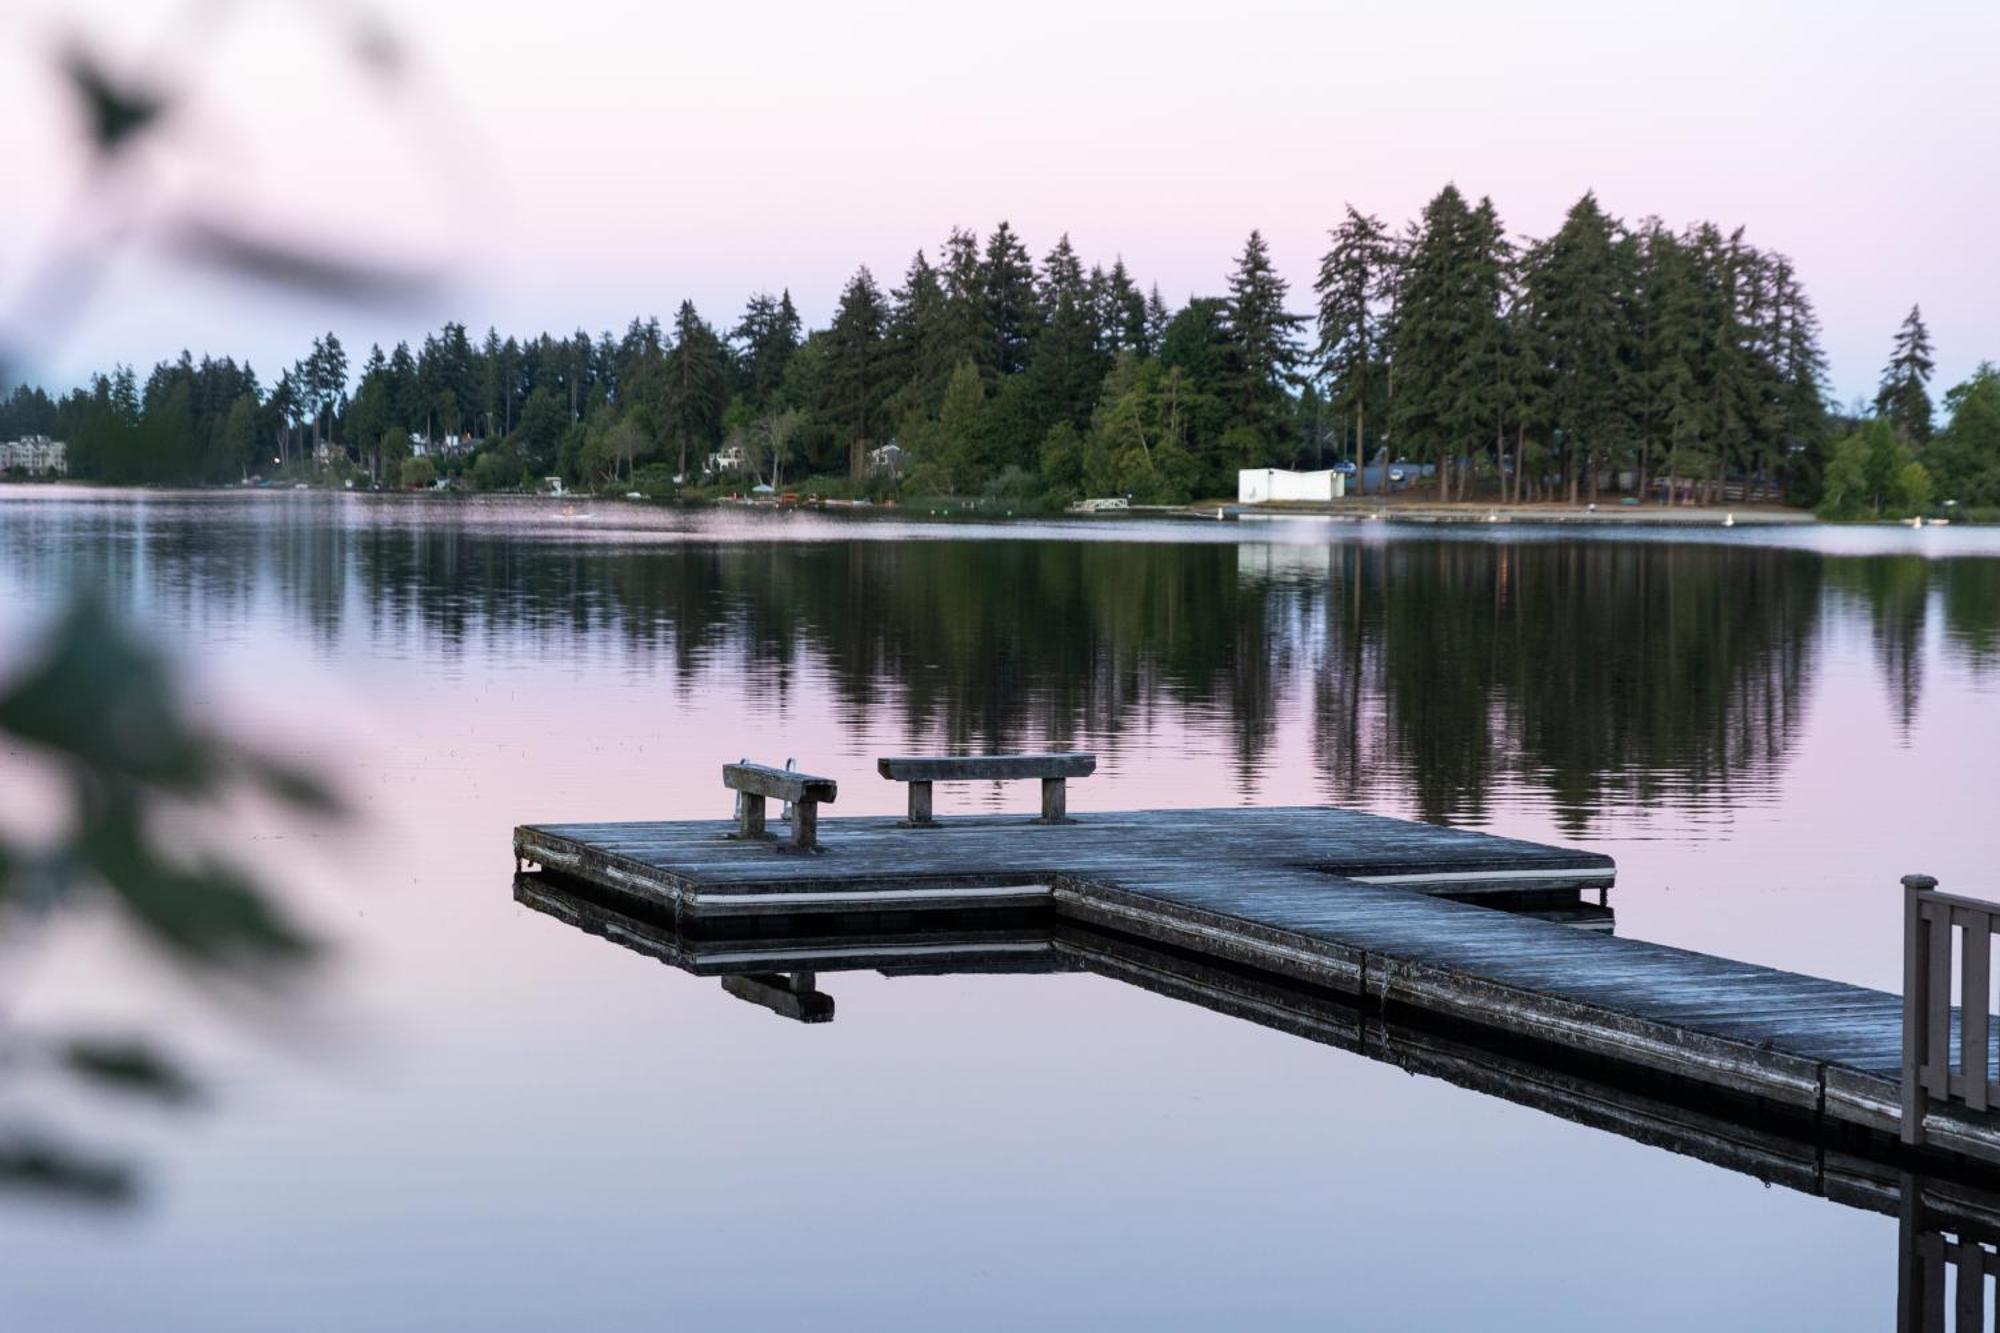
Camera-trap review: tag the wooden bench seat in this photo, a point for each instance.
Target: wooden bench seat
(756, 783)
(1052, 769)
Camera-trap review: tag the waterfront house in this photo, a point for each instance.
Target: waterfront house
(36, 455)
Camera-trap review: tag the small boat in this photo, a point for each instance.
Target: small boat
(1937, 522)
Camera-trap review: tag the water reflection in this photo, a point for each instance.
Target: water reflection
(1949, 1225)
(1426, 673)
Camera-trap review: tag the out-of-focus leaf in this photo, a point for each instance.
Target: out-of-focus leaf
(35, 1164)
(130, 1066)
(316, 273)
(292, 785)
(116, 111)
(208, 916)
(375, 46)
(102, 699)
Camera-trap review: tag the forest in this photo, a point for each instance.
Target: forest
(1607, 358)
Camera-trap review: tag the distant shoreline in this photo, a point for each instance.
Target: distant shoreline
(1389, 510)
(1362, 509)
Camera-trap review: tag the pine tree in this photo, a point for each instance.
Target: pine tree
(1434, 406)
(1065, 368)
(1578, 291)
(1724, 377)
(958, 434)
(1157, 319)
(1007, 291)
(966, 335)
(920, 338)
(1904, 397)
(855, 383)
(1263, 337)
(1122, 313)
(765, 337)
(1353, 280)
(1669, 350)
(694, 385)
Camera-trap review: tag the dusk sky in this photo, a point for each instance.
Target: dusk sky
(576, 164)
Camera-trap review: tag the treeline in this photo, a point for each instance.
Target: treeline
(1605, 356)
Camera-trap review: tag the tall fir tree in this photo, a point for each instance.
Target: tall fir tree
(1263, 336)
(1012, 310)
(694, 388)
(1579, 332)
(1352, 284)
(1904, 398)
(855, 384)
(921, 341)
(1065, 366)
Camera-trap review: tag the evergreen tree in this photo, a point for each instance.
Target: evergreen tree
(959, 435)
(1157, 319)
(766, 338)
(1669, 351)
(693, 395)
(1008, 298)
(1904, 398)
(1577, 292)
(1263, 337)
(1353, 280)
(1122, 313)
(921, 338)
(966, 332)
(855, 382)
(1443, 331)
(1065, 368)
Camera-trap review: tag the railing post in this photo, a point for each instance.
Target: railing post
(1917, 1001)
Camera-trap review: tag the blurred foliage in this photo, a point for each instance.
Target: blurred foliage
(99, 713)
(114, 110)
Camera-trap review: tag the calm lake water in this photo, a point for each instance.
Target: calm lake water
(481, 1118)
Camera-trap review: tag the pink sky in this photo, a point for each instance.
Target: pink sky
(585, 162)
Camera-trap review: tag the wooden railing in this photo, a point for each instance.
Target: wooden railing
(1944, 1266)
(1929, 1071)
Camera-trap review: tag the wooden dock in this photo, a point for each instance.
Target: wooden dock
(1398, 916)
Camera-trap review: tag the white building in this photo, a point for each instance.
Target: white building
(36, 455)
(886, 458)
(1262, 484)
(727, 461)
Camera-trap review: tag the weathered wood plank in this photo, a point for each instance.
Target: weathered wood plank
(780, 783)
(986, 767)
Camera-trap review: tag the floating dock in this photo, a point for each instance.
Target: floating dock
(1402, 918)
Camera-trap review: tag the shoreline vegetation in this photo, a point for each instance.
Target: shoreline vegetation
(1400, 509)
(1605, 363)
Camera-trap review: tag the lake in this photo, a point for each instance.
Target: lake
(479, 1117)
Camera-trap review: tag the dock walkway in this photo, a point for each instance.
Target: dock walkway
(1396, 913)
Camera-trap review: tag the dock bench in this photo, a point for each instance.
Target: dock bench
(1053, 770)
(755, 783)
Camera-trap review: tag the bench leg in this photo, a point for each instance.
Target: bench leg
(1055, 801)
(749, 815)
(920, 805)
(805, 826)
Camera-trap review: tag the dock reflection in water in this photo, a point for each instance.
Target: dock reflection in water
(1948, 1238)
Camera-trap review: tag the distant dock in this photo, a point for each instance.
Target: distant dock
(1401, 917)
